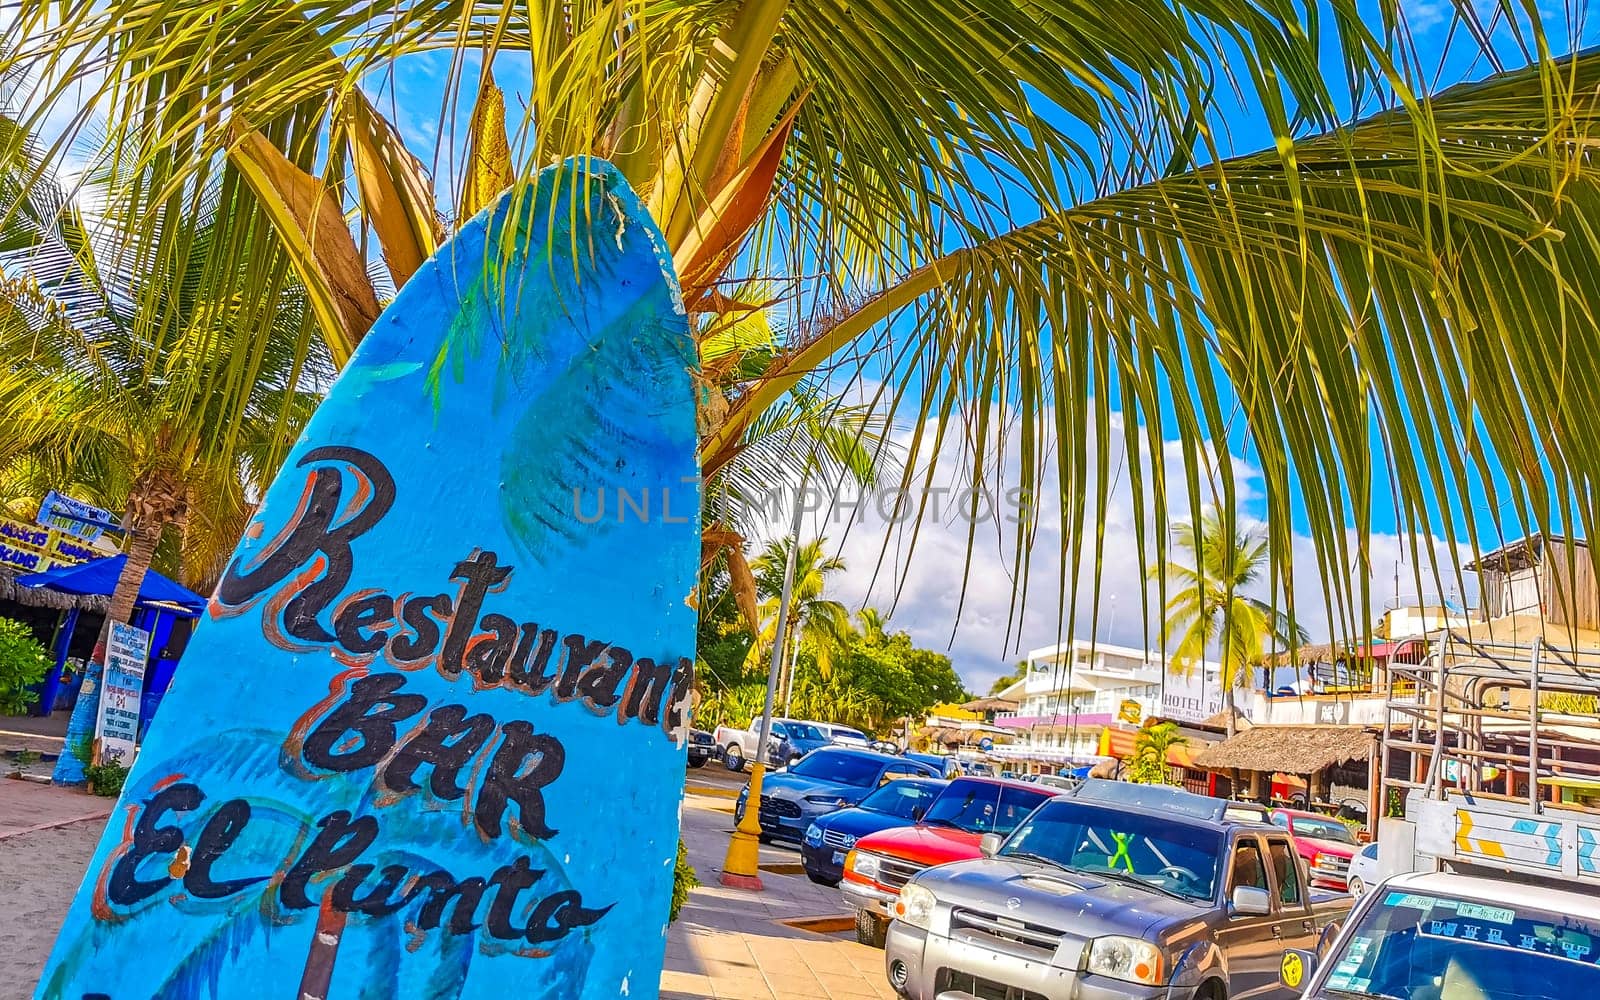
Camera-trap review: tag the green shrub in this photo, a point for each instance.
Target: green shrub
(23, 663)
(683, 880)
(106, 779)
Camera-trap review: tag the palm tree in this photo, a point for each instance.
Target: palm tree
(874, 625)
(1210, 609)
(1148, 763)
(119, 375)
(822, 623)
(985, 206)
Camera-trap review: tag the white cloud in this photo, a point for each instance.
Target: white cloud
(977, 623)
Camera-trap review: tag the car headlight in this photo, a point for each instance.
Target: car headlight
(915, 906)
(865, 865)
(813, 834)
(1131, 960)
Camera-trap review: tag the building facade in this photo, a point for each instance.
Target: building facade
(1072, 692)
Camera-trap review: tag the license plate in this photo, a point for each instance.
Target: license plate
(838, 857)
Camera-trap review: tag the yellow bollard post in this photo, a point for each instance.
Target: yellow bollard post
(741, 868)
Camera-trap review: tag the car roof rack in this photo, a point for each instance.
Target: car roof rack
(1161, 798)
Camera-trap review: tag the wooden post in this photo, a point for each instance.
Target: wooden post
(1375, 769)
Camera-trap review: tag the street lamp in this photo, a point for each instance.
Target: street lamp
(740, 870)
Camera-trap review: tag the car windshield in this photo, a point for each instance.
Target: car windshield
(801, 731)
(844, 768)
(982, 807)
(1421, 946)
(1175, 857)
(900, 798)
(1321, 829)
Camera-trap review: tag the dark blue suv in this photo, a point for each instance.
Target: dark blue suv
(823, 781)
(899, 803)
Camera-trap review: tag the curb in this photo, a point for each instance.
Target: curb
(8, 834)
(711, 790)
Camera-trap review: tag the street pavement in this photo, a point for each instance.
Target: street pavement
(727, 943)
(735, 944)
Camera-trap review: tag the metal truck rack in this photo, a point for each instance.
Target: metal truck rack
(1478, 744)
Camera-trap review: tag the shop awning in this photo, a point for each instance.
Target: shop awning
(98, 578)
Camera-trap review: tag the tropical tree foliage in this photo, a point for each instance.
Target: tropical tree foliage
(1213, 608)
(876, 678)
(1024, 221)
(1147, 763)
(122, 379)
(813, 618)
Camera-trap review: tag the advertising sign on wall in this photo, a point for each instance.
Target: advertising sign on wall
(429, 739)
(1194, 696)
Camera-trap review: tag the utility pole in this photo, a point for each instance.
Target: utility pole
(740, 869)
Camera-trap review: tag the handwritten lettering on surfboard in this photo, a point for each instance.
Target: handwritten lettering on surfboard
(429, 739)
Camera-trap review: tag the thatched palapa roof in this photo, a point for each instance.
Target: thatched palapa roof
(1241, 722)
(1290, 749)
(990, 705)
(42, 597)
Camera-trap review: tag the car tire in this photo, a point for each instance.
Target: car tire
(870, 931)
(697, 762)
(1357, 887)
(764, 838)
(1211, 989)
(831, 883)
(734, 758)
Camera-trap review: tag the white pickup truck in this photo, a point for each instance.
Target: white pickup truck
(791, 740)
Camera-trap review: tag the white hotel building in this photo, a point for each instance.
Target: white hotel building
(1074, 692)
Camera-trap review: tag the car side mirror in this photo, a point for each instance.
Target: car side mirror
(1295, 967)
(1248, 901)
(989, 846)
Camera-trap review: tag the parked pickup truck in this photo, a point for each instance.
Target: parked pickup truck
(791, 740)
(1324, 842)
(1445, 936)
(1112, 891)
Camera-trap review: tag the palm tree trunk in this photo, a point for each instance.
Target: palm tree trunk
(142, 542)
(157, 497)
(1227, 707)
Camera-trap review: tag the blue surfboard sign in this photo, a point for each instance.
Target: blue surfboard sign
(429, 739)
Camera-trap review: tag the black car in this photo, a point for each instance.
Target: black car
(823, 781)
(701, 747)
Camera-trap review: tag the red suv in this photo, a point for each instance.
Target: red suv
(1324, 842)
(950, 830)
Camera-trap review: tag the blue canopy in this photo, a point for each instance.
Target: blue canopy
(99, 576)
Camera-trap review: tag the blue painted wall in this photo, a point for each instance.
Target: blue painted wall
(427, 741)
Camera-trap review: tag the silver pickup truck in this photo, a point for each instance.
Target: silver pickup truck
(1114, 891)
